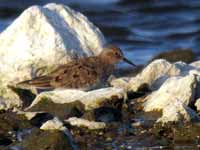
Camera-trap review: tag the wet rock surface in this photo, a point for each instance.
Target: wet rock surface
(39, 140)
(11, 125)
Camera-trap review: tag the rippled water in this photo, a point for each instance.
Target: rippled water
(141, 28)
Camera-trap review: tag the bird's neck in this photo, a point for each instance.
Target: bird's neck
(106, 61)
(106, 65)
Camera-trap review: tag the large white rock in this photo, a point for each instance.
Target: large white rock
(176, 111)
(155, 74)
(44, 37)
(182, 88)
(90, 100)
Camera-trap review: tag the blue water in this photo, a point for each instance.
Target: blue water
(141, 28)
(4, 23)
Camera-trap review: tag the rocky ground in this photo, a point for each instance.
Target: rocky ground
(157, 106)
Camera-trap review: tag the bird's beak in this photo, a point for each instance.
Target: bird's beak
(128, 61)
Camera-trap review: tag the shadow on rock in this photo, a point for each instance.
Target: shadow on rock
(63, 111)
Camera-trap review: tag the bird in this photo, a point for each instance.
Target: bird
(84, 73)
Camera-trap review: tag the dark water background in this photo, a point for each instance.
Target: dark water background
(142, 28)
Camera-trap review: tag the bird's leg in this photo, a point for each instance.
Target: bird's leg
(110, 78)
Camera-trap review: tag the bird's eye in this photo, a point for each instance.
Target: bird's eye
(117, 54)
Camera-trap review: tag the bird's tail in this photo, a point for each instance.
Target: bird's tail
(42, 82)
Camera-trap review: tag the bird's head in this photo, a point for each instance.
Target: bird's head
(113, 54)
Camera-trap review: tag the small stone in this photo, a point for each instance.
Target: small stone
(109, 139)
(79, 122)
(90, 100)
(136, 124)
(54, 124)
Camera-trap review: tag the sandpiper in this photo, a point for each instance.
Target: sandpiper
(81, 74)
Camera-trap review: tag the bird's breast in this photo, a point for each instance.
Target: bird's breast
(107, 70)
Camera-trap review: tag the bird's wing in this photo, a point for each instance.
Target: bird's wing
(42, 82)
(80, 75)
(76, 74)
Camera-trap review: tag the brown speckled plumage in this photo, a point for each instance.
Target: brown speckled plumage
(82, 74)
